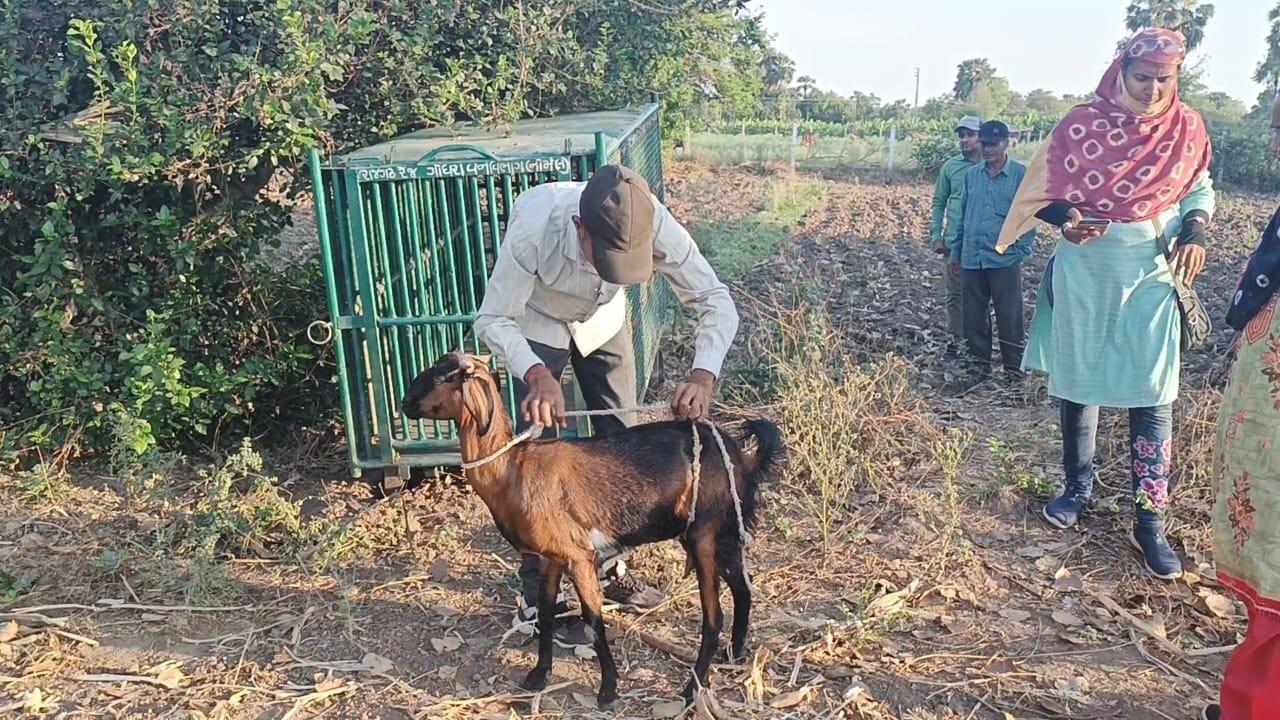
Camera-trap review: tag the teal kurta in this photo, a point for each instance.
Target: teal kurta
(1111, 336)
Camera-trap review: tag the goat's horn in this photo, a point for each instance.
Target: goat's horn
(464, 362)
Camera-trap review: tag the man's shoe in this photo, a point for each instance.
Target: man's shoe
(1212, 711)
(569, 632)
(632, 594)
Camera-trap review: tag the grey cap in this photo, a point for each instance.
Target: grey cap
(969, 122)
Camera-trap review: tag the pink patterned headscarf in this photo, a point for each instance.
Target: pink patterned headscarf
(1112, 163)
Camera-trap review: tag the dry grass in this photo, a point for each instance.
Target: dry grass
(901, 568)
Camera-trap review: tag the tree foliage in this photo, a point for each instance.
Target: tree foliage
(149, 151)
(990, 97)
(1189, 17)
(1268, 72)
(969, 75)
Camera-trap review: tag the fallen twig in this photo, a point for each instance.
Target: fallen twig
(305, 700)
(1166, 666)
(102, 605)
(1204, 652)
(111, 678)
(654, 641)
(26, 618)
(74, 637)
(1146, 627)
(113, 605)
(37, 609)
(505, 698)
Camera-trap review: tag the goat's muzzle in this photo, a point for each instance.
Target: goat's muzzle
(411, 410)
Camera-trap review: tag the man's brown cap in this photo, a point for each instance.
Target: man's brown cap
(617, 209)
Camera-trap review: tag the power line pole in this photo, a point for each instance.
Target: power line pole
(917, 87)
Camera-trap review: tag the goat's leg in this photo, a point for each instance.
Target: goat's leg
(704, 563)
(732, 572)
(582, 573)
(551, 573)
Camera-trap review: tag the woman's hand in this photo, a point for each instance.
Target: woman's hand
(1078, 235)
(1188, 261)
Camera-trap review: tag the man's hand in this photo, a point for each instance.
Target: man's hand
(544, 404)
(692, 398)
(1078, 235)
(953, 267)
(1189, 261)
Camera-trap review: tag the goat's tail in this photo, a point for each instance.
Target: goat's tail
(761, 466)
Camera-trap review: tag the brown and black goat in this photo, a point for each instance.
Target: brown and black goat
(567, 500)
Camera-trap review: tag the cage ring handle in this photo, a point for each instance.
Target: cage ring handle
(320, 325)
(459, 147)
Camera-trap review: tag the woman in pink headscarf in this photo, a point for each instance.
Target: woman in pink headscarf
(1107, 328)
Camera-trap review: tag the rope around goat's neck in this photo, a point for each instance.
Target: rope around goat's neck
(537, 429)
(695, 466)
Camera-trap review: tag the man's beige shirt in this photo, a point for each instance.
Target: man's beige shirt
(543, 290)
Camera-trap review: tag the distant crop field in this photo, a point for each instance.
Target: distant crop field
(824, 153)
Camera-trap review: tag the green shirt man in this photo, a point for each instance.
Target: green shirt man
(948, 206)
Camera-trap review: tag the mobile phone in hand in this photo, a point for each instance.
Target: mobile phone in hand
(1086, 224)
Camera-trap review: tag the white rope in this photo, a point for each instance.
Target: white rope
(531, 432)
(695, 467)
(695, 474)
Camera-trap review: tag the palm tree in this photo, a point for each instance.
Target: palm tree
(1188, 17)
(969, 74)
(805, 85)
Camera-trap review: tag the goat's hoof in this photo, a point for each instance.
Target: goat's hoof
(687, 693)
(606, 701)
(738, 652)
(536, 680)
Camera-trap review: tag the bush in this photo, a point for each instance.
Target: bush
(133, 227)
(149, 151)
(931, 152)
(1241, 157)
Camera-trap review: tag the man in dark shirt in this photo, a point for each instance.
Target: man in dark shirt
(989, 277)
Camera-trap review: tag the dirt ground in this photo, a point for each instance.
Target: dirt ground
(403, 607)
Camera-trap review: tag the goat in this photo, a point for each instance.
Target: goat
(566, 500)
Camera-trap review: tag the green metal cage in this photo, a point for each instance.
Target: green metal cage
(409, 230)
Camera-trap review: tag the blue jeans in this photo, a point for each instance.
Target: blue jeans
(1150, 454)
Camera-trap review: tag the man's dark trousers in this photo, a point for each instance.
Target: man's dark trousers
(1003, 288)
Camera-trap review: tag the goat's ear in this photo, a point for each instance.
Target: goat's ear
(479, 401)
(476, 363)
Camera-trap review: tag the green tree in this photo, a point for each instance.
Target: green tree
(149, 151)
(778, 69)
(1044, 102)
(805, 86)
(895, 111)
(1268, 72)
(939, 108)
(969, 74)
(829, 107)
(1189, 17)
(864, 104)
(990, 98)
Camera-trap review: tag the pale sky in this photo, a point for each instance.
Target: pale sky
(1060, 45)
